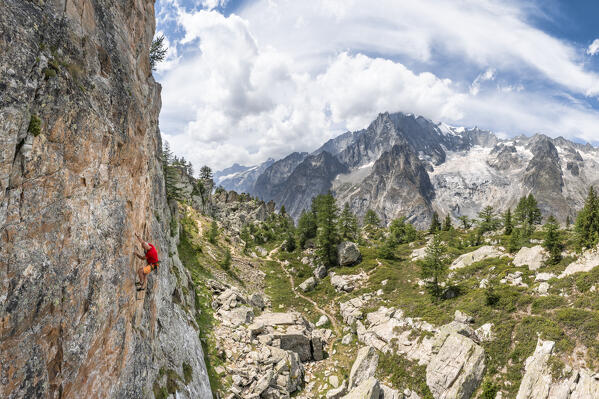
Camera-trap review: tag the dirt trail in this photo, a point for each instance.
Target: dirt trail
(334, 323)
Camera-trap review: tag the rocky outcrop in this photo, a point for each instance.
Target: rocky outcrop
(367, 389)
(79, 174)
(347, 282)
(587, 262)
(308, 284)
(538, 382)
(482, 253)
(364, 366)
(457, 369)
(348, 253)
(533, 257)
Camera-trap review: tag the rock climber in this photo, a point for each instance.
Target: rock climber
(151, 257)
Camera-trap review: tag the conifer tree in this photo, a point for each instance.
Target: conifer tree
(289, 244)
(306, 227)
(433, 267)
(466, 223)
(508, 226)
(435, 224)
(371, 219)
(568, 222)
(447, 226)
(171, 174)
(515, 241)
(348, 224)
(487, 219)
(226, 262)
(213, 232)
(402, 232)
(552, 242)
(327, 236)
(587, 222)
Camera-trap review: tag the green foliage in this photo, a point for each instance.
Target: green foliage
(187, 373)
(466, 222)
(402, 232)
(225, 263)
(434, 267)
(158, 51)
(553, 243)
(35, 125)
(289, 245)
(587, 222)
(508, 225)
(174, 227)
(491, 296)
(487, 221)
(212, 234)
(447, 226)
(371, 219)
(171, 174)
(327, 236)
(435, 224)
(348, 224)
(306, 227)
(489, 389)
(404, 373)
(515, 241)
(528, 214)
(387, 250)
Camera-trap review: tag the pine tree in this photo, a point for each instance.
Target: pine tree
(348, 224)
(466, 222)
(327, 236)
(433, 267)
(487, 220)
(289, 244)
(587, 222)
(246, 236)
(552, 242)
(213, 232)
(371, 219)
(402, 232)
(205, 173)
(225, 264)
(435, 224)
(306, 227)
(515, 242)
(447, 226)
(387, 250)
(568, 222)
(171, 174)
(508, 226)
(158, 51)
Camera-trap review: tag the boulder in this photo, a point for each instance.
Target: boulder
(320, 272)
(317, 352)
(322, 321)
(485, 332)
(348, 253)
(389, 393)
(256, 300)
(533, 257)
(347, 282)
(237, 316)
(367, 389)
(542, 289)
(462, 317)
(544, 276)
(480, 254)
(457, 369)
(308, 285)
(296, 340)
(588, 261)
(346, 340)
(337, 393)
(364, 366)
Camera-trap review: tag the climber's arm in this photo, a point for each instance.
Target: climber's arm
(144, 244)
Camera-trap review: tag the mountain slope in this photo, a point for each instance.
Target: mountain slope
(467, 168)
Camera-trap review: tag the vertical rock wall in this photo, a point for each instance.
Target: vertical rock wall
(79, 174)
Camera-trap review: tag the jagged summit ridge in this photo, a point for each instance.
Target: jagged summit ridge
(467, 169)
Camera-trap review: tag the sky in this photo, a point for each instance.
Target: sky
(246, 80)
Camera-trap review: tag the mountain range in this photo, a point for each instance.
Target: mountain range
(407, 165)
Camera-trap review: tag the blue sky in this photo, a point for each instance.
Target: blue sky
(246, 80)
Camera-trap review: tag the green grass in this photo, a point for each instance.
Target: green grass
(35, 125)
(401, 372)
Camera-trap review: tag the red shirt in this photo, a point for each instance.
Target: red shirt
(151, 255)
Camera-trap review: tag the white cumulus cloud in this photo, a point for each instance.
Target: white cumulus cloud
(593, 47)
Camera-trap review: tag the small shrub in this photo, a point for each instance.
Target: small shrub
(491, 297)
(174, 227)
(35, 125)
(226, 262)
(490, 389)
(49, 73)
(187, 373)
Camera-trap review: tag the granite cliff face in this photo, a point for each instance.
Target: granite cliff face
(466, 170)
(79, 174)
